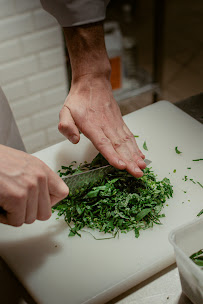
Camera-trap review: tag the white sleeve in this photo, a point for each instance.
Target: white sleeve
(9, 133)
(76, 12)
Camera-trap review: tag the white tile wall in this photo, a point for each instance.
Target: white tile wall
(7, 8)
(6, 50)
(16, 25)
(41, 40)
(32, 70)
(19, 68)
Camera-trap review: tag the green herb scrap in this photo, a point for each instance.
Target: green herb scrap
(200, 213)
(145, 146)
(177, 151)
(200, 184)
(197, 258)
(197, 159)
(118, 203)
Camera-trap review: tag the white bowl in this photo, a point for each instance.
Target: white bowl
(187, 240)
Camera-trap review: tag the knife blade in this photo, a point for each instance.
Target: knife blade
(77, 181)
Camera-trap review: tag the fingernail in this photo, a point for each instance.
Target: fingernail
(141, 163)
(121, 163)
(137, 170)
(74, 139)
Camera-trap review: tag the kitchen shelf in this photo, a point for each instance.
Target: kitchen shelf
(154, 83)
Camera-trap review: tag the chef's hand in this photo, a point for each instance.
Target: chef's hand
(28, 188)
(90, 106)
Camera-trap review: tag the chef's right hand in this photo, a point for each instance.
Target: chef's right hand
(28, 188)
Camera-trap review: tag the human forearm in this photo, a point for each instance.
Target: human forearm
(87, 51)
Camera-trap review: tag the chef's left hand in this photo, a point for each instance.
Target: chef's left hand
(91, 108)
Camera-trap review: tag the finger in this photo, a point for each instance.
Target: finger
(67, 125)
(15, 215)
(3, 219)
(134, 143)
(123, 146)
(32, 206)
(130, 144)
(44, 203)
(104, 146)
(58, 190)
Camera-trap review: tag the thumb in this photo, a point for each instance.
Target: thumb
(58, 190)
(67, 125)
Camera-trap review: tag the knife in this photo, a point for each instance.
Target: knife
(77, 181)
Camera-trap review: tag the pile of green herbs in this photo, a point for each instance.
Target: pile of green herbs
(117, 203)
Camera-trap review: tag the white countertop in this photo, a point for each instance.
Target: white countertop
(163, 288)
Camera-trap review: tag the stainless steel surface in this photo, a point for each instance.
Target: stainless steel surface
(77, 181)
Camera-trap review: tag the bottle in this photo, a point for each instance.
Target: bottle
(114, 47)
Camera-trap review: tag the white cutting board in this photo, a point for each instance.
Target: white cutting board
(58, 269)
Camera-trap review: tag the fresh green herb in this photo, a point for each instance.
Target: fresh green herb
(118, 203)
(145, 146)
(177, 151)
(197, 159)
(188, 168)
(192, 180)
(200, 184)
(188, 200)
(185, 178)
(136, 135)
(174, 171)
(185, 191)
(200, 213)
(197, 258)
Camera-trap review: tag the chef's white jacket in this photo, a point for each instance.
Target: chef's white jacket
(76, 12)
(68, 13)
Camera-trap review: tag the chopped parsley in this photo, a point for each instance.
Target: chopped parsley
(145, 146)
(197, 159)
(197, 258)
(200, 213)
(177, 151)
(200, 184)
(118, 203)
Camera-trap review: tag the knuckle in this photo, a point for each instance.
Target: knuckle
(41, 176)
(31, 184)
(62, 127)
(128, 137)
(64, 193)
(21, 196)
(102, 142)
(117, 144)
